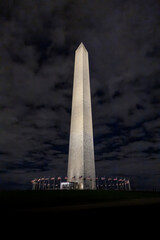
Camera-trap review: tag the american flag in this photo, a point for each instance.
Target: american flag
(59, 178)
(33, 181)
(66, 178)
(80, 177)
(102, 178)
(52, 178)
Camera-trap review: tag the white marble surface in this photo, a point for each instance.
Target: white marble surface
(81, 164)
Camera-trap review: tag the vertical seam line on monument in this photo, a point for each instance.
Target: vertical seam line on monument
(83, 106)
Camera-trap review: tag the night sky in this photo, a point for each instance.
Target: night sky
(38, 39)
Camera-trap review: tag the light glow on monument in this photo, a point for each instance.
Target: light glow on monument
(81, 164)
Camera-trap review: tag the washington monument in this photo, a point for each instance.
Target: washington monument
(81, 164)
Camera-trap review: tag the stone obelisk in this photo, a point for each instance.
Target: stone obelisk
(81, 164)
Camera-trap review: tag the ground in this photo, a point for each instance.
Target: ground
(79, 213)
(78, 202)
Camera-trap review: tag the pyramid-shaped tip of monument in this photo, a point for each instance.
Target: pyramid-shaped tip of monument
(82, 45)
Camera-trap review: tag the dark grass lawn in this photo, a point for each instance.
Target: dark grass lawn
(79, 202)
(67, 212)
(38, 214)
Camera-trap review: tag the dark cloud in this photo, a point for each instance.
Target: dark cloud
(154, 52)
(37, 44)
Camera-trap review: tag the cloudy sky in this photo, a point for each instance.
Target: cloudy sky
(38, 39)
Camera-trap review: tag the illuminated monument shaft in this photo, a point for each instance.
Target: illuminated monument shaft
(81, 165)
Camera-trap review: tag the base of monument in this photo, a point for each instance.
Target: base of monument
(69, 186)
(74, 186)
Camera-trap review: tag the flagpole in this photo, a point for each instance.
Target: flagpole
(117, 184)
(129, 185)
(105, 183)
